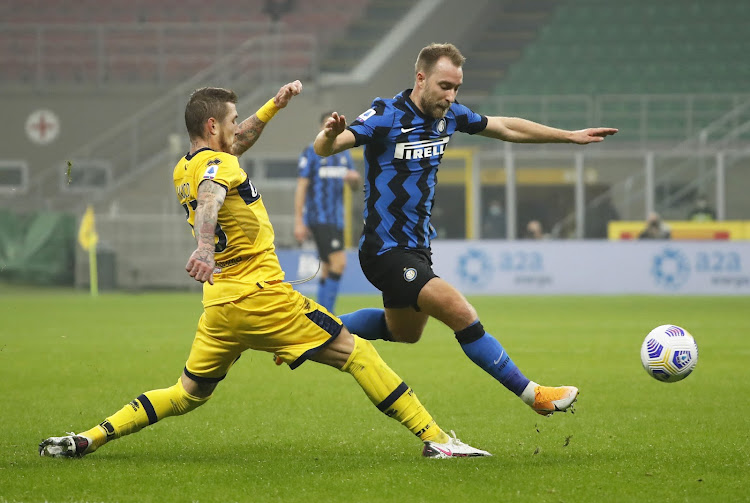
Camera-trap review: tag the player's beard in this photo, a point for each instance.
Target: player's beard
(226, 144)
(432, 108)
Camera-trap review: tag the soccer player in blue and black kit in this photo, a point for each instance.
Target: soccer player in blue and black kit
(405, 138)
(319, 210)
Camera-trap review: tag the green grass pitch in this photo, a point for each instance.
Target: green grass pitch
(270, 434)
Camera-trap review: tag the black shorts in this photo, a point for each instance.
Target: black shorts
(328, 239)
(399, 274)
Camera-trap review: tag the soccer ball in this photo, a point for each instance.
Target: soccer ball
(669, 353)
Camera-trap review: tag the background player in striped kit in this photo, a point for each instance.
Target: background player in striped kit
(319, 210)
(404, 139)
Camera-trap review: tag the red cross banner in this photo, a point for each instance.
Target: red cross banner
(42, 127)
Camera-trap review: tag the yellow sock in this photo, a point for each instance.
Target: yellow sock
(389, 393)
(147, 409)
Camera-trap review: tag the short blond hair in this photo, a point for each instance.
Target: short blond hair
(430, 55)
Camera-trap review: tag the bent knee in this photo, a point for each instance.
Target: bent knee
(201, 390)
(337, 269)
(406, 336)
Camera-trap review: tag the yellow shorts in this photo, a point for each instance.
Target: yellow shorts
(276, 319)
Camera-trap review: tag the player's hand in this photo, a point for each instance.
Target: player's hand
(591, 135)
(200, 266)
(301, 232)
(286, 93)
(334, 125)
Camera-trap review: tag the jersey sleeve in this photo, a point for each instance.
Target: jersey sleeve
(467, 120)
(304, 165)
(372, 123)
(223, 169)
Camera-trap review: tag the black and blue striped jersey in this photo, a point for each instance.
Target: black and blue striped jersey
(403, 149)
(324, 201)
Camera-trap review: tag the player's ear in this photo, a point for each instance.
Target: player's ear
(211, 126)
(421, 77)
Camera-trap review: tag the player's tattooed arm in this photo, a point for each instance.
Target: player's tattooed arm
(210, 199)
(249, 132)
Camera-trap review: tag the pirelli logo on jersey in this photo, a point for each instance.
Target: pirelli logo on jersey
(421, 149)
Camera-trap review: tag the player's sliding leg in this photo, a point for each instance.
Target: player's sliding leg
(453, 448)
(388, 392)
(146, 409)
(395, 399)
(368, 323)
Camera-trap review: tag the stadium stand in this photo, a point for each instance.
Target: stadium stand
(539, 60)
(654, 49)
(363, 34)
(151, 43)
(305, 15)
(651, 48)
(507, 29)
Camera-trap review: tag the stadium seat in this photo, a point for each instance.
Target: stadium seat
(131, 32)
(689, 47)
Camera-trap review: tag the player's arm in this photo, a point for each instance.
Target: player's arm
(514, 129)
(201, 263)
(300, 229)
(334, 137)
(251, 128)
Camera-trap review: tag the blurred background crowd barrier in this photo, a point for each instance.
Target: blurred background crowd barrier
(94, 92)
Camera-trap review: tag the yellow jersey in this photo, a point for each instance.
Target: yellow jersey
(244, 252)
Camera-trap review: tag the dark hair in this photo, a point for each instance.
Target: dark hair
(430, 55)
(205, 103)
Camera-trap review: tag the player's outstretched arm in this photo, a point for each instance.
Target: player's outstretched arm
(518, 130)
(251, 128)
(591, 135)
(201, 263)
(334, 137)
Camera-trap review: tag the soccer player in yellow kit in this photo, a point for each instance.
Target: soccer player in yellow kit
(247, 305)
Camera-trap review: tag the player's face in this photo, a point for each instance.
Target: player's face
(440, 88)
(228, 129)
